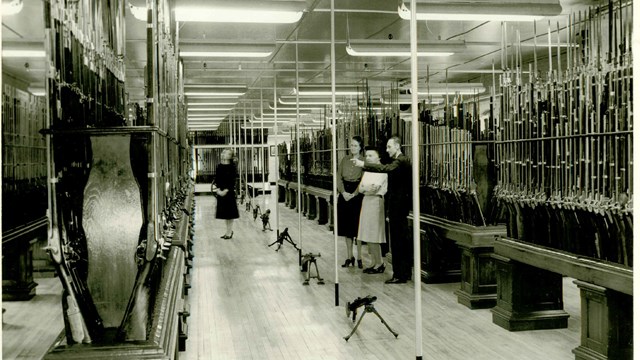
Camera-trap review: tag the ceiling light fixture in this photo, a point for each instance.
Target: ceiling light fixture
(325, 90)
(192, 102)
(492, 10)
(16, 49)
(209, 109)
(403, 99)
(12, 7)
(394, 48)
(36, 90)
(214, 90)
(201, 50)
(451, 88)
(269, 12)
(291, 101)
(138, 12)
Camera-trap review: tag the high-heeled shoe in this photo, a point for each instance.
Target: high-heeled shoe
(373, 270)
(227, 236)
(349, 261)
(360, 264)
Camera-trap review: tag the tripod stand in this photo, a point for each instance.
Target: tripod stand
(307, 261)
(284, 236)
(369, 308)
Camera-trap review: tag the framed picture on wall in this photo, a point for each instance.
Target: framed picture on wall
(272, 150)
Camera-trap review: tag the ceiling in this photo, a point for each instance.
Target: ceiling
(303, 49)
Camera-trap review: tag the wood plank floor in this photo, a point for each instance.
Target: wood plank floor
(248, 302)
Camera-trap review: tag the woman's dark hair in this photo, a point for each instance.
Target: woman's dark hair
(359, 140)
(372, 148)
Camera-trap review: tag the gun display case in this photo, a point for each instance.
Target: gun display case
(24, 194)
(118, 185)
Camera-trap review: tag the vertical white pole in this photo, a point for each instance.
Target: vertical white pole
(415, 156)
(299, 206)
(277, 160)
(246, 158)
(261, 157)
(334, 164)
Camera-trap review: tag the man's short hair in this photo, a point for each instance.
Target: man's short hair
(396, 139)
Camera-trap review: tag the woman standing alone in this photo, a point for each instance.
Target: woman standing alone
(225, 181)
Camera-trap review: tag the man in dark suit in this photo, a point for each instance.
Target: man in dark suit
(398, 200)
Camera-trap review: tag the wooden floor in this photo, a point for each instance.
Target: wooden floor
(248, 302)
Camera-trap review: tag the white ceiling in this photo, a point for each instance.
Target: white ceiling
(310, 38)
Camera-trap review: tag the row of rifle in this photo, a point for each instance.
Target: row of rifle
(568, 139)
(564, 140)
(86, 44)
(24, 156)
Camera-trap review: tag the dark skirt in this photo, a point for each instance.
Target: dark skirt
(226, 207)
(349, 211)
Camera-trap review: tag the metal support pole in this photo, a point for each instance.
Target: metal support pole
(417, 284)
(277, 160)
(299, 157)
(334, 166)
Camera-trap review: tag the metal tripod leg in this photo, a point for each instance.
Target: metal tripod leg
(346, 338)
(373, 310)
(370, 308)
(320, 280)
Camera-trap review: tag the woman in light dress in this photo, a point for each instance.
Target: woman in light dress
(371, 227)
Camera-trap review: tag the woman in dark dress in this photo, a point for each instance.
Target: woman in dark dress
(225, 181)
(350, 200)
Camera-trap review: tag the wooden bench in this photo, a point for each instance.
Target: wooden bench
(606, 292)
(17, 262)
(453, 251)
(315, 203)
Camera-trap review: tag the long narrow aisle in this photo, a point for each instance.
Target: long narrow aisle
(248, 302)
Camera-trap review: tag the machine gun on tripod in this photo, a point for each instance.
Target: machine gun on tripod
(308, 260)
(367, 302)
(284, 236)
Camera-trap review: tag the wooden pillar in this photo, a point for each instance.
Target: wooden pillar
(292, 198)
(17, 259)
(440, 256)
(478, 278)
(312, 207)
(330, 224)
(282, 193)
(528, 298)
(607, 323)
(17, 271)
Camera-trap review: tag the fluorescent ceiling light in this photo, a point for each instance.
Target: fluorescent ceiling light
(291, 101)
(138, 12)
(207, 90)
(406, 99)
(325, 90)
(391, 48)
(272, 118)
(493, 10)
(206, 118)
(12, 7)
(451, 88)
(209, 109)
(36, 90)
(289, 108)
(226, 50)
(210, 102)
(270, 12)
(19, 49)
